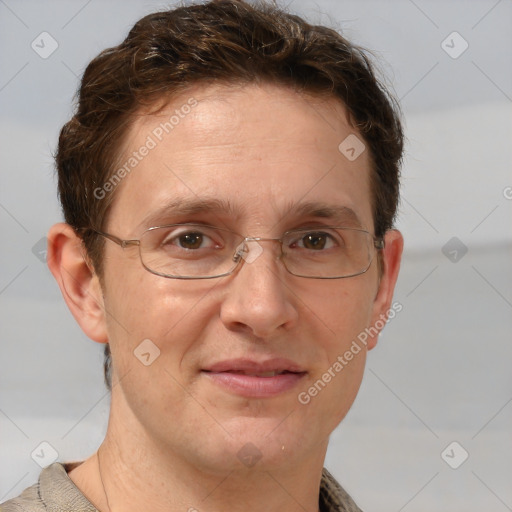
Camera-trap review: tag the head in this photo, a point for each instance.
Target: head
(247, 106)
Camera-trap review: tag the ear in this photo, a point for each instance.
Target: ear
(390, 259)
(77, 280)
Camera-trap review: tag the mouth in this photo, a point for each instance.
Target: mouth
(255, 379)
(271, 373)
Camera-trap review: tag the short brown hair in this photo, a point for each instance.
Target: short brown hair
(223, 41)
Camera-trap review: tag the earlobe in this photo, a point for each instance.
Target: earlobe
(77, 280)
(391, 256)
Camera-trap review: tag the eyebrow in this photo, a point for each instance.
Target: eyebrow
(339, 215)
(184, 207)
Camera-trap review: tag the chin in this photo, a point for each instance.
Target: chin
(260, 444)
(243, 455)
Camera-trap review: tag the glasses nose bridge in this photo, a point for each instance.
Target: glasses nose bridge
(264, 239)
(243, 248)
(261, 239)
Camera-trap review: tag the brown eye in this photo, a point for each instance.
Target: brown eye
(315, 241)
(191, 240)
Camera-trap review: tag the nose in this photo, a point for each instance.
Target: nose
(258, 298)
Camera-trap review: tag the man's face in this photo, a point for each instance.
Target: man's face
(267, 151)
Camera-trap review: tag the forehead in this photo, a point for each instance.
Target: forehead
(265, 152)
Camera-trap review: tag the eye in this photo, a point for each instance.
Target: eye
(315, 241)
(189, 239)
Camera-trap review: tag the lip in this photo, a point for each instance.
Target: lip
(240, 376)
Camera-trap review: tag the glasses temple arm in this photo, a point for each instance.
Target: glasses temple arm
(117, 240)
(379, 243)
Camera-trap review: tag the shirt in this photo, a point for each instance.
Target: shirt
(56, 492)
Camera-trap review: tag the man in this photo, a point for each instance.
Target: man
(229, 183)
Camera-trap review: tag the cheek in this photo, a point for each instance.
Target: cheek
(344, 307)
(345, 315)
(141, 306)
(330, 392)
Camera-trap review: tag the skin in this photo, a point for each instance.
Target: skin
(173, 435)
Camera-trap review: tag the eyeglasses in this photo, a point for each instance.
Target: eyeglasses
(198, 251)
